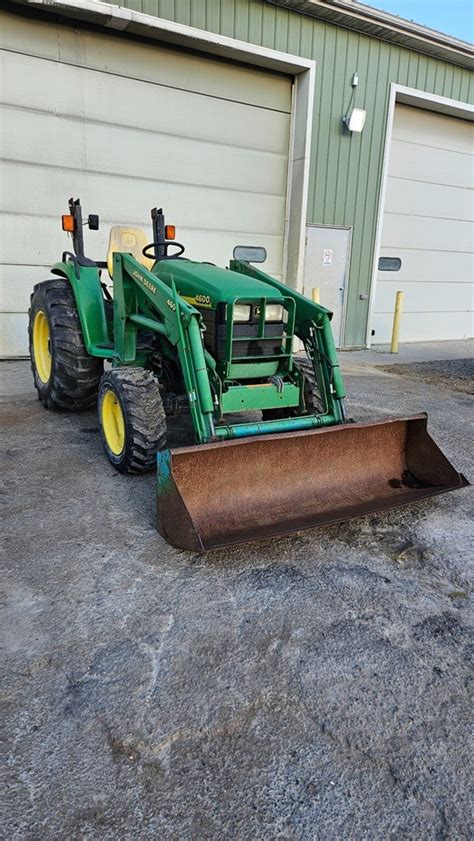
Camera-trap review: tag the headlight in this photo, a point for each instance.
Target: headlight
(241, 312)
(273, 312)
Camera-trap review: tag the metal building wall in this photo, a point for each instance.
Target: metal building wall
(346, 169)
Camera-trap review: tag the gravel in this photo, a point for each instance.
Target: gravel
(313, 687)
(457, 374)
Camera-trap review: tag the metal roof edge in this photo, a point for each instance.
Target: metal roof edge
(385, 26)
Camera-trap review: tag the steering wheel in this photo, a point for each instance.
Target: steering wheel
(166, 245)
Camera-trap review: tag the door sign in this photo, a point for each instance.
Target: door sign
(327, 257)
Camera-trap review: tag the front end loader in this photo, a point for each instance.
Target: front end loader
(181, 336)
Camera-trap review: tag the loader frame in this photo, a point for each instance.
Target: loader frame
(144, 300)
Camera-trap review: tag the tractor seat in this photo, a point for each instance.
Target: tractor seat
(129, 240)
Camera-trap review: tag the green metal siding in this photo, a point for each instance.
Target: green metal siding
(346, 169)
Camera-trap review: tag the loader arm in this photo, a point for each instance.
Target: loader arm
(313, 327)
(142, 299)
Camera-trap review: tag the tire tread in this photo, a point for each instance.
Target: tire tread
(145, 419)
(75, 374)
(311, 393)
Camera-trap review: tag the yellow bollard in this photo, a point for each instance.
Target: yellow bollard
(315, 295)
(396, 321)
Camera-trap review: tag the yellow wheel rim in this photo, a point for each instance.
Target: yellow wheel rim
(113, 422)
(41, 346)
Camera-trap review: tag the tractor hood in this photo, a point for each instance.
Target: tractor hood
(209, 285)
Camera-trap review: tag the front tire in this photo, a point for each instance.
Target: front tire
(132, 419)
(65, 375)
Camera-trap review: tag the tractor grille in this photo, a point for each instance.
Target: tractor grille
(269, 346)
(216, 332)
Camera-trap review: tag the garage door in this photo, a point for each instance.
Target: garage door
(428, 226)
(127, 126)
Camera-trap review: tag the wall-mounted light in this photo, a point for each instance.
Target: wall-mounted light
(355, 119)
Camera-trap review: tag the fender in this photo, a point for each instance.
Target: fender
(85, 283)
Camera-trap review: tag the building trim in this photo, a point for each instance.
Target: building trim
(385, 26)
(429, 102)
(303, 70)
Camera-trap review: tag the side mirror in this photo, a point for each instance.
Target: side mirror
(93, 222)
(250, 253)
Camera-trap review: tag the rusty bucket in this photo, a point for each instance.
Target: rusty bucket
(235, 491)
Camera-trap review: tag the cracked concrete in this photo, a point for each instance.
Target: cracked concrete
(314, 687)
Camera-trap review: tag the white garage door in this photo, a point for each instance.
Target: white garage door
(128, 126)
(428, 224)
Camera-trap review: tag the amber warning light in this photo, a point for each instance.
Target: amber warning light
(170, 231)
(68, 223)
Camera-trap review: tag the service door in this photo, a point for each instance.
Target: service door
(326, 269)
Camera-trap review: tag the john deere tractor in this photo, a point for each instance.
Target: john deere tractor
(178, 335)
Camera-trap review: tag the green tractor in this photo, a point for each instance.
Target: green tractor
(178, 335)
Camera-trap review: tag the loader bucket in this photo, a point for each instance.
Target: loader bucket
(235, 491)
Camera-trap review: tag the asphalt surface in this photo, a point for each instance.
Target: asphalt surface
(313, 687)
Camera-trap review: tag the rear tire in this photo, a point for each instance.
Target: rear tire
(132, 419)
(312, 396)
(65, 375)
